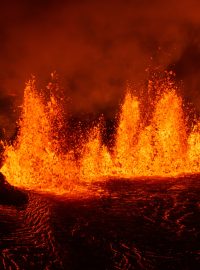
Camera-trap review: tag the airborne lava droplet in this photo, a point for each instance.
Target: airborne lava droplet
(162, 147)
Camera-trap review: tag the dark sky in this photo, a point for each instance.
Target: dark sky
(96, 47)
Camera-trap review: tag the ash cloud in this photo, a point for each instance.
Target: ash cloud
(97, 46)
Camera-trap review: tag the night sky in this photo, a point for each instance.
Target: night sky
(96, 47)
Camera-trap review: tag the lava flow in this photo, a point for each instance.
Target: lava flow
(158, 145)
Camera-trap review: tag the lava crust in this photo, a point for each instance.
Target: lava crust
(132, 224)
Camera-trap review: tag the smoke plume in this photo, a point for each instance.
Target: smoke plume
(96, 47)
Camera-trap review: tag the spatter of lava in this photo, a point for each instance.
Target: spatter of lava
(161, 146)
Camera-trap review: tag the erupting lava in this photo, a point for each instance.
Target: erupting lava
(158, 146)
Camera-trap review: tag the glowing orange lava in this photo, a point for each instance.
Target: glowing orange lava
(35, 160)
(161, 146)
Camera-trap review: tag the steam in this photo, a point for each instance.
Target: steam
(97, 46)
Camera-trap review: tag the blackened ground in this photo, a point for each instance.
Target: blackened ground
(132, 224)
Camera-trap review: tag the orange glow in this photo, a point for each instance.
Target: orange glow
(35, 161)
(159, 147)
(96, 160)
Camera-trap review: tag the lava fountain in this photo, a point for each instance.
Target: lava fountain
(163, 146)
(36, 160)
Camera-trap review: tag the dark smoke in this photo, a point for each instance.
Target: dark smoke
(96, 47)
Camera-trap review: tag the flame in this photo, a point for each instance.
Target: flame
(162, 146)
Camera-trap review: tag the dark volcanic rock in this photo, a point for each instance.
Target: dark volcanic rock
(10, 195)
(137, 224)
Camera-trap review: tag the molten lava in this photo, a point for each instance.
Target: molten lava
(161, 146)
(35, 160)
